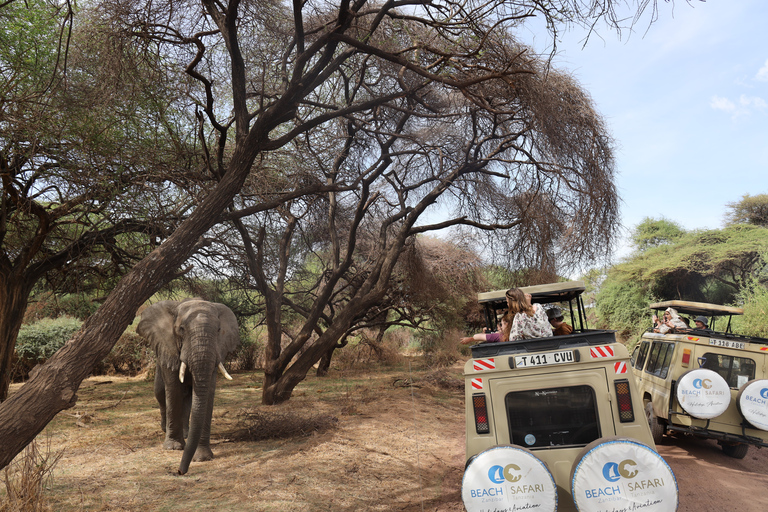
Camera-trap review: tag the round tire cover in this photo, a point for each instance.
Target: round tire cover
(622, 474)
(508, 478)
(752, 402)
(703, 393)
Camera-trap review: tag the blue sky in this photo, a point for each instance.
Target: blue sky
(686, 99)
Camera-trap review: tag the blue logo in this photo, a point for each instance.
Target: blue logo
(611, 472)
(496, 474)
(764, 393)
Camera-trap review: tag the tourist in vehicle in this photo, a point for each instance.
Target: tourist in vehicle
(671, 320)
(492, 337)
(559, 327)
(530, 320)
(702, 323)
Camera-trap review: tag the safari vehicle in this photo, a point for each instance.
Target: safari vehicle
(541, 403)
(708, 383)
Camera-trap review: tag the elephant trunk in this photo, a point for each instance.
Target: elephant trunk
(203, 370)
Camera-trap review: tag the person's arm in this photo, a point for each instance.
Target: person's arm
(477, 337)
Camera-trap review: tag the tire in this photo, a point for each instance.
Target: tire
(658, 429)
(737, 451)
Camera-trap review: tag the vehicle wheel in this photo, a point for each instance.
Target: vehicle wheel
(737, 451)
(657, 427)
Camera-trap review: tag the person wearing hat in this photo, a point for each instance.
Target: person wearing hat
(559, 327)
(701, 323)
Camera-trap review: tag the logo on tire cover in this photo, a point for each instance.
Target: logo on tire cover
(613, 471)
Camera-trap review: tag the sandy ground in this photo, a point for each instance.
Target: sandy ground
(390, 447)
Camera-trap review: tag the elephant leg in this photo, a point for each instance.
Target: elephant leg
(174, 404)
(160, 396)
(203, 451)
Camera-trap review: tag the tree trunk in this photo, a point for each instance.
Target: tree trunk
(325, 362)
(52, 388)
(14, 296)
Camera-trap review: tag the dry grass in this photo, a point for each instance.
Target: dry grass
(348, 442)
(26, 478)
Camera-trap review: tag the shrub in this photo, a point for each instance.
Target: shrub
(754, 297)
(130, 356)
(38, 341)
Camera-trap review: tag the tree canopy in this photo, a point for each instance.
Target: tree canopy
(716, 266)
(750, 210)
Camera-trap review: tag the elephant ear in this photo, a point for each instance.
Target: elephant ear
(229, 334)
(156, 326)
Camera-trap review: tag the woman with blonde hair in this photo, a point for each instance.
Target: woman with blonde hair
(492, 337)
(530, 320)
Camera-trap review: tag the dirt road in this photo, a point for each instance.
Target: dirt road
(710, 481)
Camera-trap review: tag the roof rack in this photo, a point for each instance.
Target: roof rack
(697, 308)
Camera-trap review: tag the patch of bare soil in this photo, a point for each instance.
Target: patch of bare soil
(391, 447)
(391, 439)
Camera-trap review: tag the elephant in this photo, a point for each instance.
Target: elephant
(191, 339)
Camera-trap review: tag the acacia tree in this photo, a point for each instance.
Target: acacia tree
(271, 102)
(80, 163)
(523, 153)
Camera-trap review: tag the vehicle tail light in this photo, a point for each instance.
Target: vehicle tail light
(686, 357)
(626, 414)
(482, 426)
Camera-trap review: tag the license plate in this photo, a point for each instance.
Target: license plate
(562, 357)
(727, 344)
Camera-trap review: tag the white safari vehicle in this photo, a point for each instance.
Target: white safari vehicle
(557, 423)
(705, 382)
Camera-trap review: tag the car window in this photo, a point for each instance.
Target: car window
(553, 416)
(653, 359)
(736, 371)
(641, 356)
(665, 357)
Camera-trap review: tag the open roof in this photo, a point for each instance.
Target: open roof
(697, 308)
(541, 293)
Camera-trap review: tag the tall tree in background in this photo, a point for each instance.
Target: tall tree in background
(256, 106)
(88, 156)
(750, 210)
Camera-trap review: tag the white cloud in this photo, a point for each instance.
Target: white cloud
(762, 73)
(753, 102)
(723, 104)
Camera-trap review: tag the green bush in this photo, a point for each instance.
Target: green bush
(38, 341)
(754, 298)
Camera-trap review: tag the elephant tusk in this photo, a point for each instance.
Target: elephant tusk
(182, 370)
(224, 372)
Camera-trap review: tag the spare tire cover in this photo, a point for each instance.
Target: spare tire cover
(703, 393)
(618, 473)
(752, 402)
(508, 478)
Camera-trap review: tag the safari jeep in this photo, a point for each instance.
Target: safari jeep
(708, 383)
(557, 423)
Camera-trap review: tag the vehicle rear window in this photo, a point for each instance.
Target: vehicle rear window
(553, 416)
(736, 371)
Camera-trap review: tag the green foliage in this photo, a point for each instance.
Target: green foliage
(754, 301)
(652, 233)
(38, 341)
(623, 306)
(685, 269)
(750, 210)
